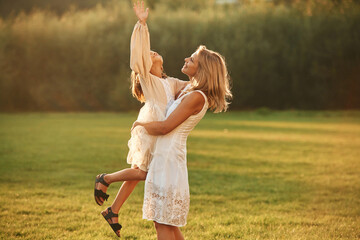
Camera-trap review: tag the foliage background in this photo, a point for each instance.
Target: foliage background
(74, 56)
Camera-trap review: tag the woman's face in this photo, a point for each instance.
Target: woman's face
(156, 58)
(191, 65)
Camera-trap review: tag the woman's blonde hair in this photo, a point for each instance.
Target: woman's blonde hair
(213, 79)
(135, 86)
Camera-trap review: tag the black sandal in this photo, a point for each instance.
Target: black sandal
(99, 193)
(110, 214)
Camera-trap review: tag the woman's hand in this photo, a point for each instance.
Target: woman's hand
(140, 12)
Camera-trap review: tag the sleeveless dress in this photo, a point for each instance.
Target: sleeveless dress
(167, 195)
(159, 95)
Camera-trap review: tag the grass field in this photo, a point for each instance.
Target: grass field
(253, 175)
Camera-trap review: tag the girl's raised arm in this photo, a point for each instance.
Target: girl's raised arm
(140, 60)
(141, 12)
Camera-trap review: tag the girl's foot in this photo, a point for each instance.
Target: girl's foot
(112, 219)
(100, 189)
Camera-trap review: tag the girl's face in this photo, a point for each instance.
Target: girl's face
(156, 58)
(191, 65)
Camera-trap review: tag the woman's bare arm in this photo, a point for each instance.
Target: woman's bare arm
(190, 105)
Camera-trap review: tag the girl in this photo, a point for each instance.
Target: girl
(149, 85)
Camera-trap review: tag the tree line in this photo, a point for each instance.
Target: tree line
(302, 56)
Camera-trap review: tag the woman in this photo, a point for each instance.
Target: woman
(149, 85)
(167, 197)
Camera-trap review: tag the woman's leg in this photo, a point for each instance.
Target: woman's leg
(164, 232)
(178, 234)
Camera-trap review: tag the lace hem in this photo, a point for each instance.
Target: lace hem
(166, 205)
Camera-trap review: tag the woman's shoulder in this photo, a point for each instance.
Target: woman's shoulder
(201, 93)
(195, 98)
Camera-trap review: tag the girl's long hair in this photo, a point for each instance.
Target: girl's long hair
(135, 86)
(213, 79)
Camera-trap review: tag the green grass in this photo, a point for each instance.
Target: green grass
(253, 175)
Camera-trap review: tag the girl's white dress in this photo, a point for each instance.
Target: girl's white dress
(159, 94)
(167, 196)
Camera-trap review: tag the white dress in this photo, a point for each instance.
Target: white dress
(167, 196)
(141, 144)
(159, 95)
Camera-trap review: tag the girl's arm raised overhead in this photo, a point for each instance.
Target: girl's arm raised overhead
(141, 12)
(140, 60)
(190, 105)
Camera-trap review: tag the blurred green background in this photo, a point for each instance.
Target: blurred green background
(64, 55)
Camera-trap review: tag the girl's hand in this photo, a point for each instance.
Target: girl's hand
(135, 124)
(140, 12)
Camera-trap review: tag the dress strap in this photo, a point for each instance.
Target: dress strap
(182, 91)
(205, 97)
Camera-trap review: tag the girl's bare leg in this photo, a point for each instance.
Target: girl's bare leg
(124, 192)
(127, 174)
(131, 177)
